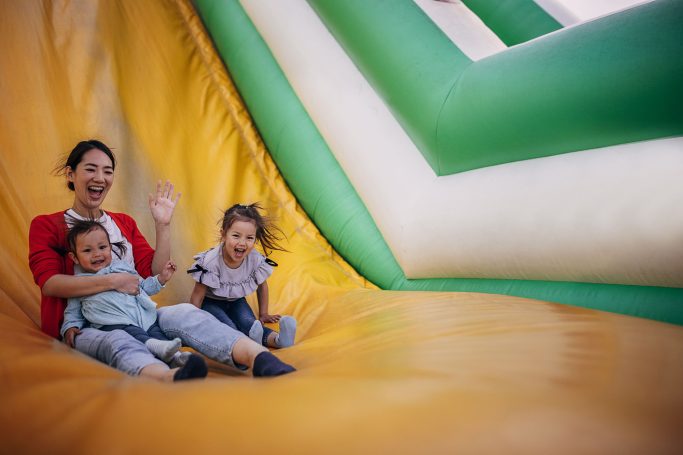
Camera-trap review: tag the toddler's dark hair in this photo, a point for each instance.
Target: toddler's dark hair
(266, 231)
(81, 227)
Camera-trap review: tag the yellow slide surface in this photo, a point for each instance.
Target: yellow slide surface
(378, 371)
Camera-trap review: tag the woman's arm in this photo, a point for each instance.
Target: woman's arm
(162, 206)
(67, 286)
(262, 297)
(198, 294)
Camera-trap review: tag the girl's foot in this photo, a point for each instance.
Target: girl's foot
(287, 332)
(163, 349)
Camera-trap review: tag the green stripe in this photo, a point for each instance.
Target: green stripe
(326, 195)
(606, 82)
(514, 21)
(405, 57)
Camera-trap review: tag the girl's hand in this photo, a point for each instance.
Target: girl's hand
(125, 282)
(264, 318)
(162, 205)
(70, 336)
(167, 272)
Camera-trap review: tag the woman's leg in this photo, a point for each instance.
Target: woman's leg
(203, 332)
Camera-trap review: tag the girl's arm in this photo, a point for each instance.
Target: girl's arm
(67, 286)
(262, 297)
(198, 294)
(162, 206)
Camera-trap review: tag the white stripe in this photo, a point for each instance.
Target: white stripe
(571, 12)
(463, 28)
(609, 216)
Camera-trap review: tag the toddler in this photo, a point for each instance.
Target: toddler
(91, 250)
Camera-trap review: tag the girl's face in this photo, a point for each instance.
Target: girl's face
(92, 179)
(93, 251)
(238, 241)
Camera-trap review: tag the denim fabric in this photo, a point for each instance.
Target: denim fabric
(138, 333)
(237, 314)
(113, 307)
(200, 330)
(116, 348)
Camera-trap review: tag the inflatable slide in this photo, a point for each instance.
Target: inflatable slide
(481, 202)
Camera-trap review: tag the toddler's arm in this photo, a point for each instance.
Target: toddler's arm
(198, 294)
(262, 297)
(73, 321)
(153, 284)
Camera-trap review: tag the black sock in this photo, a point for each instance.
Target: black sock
(266, 364)
(194, 368)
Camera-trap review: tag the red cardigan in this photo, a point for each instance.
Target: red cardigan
(47, 256)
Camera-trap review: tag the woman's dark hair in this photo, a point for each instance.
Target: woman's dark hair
(266, 231)
(76, 156)
(80, 227)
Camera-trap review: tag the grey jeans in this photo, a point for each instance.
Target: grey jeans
(200, 331)
(116, 348)
(196, 328)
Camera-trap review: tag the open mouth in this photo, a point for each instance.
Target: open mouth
(239, 252)
(95, 192)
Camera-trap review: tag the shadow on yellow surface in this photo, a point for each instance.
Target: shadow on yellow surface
(378, 371)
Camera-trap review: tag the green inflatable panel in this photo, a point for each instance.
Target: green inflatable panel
(325, 193)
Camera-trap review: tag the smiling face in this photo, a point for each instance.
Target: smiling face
(238, 241)
(92, 178)
(93, 250)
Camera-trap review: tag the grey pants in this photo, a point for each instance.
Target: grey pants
(200, 331)
(116, 348)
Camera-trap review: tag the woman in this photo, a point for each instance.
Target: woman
(89, 171)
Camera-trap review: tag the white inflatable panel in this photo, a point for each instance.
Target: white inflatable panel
(608, 215)
(463, 28)
(571, 12)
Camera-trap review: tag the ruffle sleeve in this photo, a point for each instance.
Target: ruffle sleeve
(206, 268)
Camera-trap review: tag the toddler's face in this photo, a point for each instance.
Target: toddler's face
(93, 251)
(238, 241)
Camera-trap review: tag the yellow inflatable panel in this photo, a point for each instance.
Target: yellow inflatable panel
(378, 372)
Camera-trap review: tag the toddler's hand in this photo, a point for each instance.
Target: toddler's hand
(167, 272)
(70, 336)
(264, 318)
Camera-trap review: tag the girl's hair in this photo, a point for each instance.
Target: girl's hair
(266, 231)
(81, 227)
(76, 156)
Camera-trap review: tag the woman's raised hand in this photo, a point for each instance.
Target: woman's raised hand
(163, 204)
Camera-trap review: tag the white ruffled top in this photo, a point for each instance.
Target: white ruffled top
(224, 283)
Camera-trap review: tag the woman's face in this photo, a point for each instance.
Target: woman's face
(92, 179)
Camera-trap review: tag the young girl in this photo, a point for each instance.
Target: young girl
(91, 250)
(229, 272)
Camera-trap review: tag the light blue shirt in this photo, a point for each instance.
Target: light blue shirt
(114, 307)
